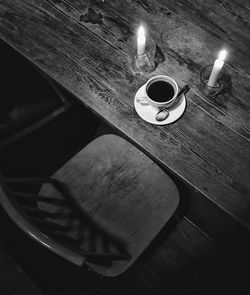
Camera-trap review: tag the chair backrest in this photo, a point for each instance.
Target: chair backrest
(56, 224)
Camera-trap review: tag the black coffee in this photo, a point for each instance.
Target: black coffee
(160, 91)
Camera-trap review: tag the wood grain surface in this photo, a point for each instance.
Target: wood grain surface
(84, 45)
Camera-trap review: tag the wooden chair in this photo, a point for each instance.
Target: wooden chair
(102, 208)
(29, 98)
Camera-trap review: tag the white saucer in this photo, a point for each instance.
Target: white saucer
(148, 112)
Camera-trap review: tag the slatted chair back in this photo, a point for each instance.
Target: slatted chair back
(59, 220)
(106, 204)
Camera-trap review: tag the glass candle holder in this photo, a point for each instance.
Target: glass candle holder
(220, 85)
(143, 63)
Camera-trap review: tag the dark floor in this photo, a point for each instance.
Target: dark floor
(181, 260)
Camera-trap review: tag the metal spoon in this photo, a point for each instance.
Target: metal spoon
(164, 113)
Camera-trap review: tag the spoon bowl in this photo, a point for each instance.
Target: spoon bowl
(162, 115)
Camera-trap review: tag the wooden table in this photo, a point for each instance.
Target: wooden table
(84, 46)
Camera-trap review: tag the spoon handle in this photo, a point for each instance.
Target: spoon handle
(183, 91)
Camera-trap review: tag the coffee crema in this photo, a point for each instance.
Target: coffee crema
(160, 91)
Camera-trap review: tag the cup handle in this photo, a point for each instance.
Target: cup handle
(142, 100)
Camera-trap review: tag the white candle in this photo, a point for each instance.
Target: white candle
(218, 64)
(141, 41)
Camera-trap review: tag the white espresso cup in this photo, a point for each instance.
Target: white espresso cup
(160, 91)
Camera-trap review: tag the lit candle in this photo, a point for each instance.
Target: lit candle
(218, 64)
(141, 41)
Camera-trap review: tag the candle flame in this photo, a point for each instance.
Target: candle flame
(222, 54)
(141, 32)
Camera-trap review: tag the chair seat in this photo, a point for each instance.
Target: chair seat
(121, 190)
